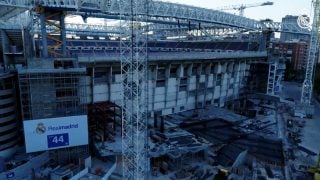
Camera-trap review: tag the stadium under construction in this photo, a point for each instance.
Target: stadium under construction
(166, 91)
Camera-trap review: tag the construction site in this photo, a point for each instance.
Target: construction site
(147, 89)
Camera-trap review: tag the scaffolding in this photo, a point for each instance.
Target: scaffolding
(52, 93)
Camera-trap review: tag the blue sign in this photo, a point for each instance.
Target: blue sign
(58, 140)
(10, 175)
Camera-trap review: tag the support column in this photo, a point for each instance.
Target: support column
(63, 34)
(155, 121)
(167, 76)
(162, 124)
(266, 36)
(92, 84)
(5, 47)
(214, 83)
(44, 41)
(198, 76)
(207, 73)
(110, 77)
(179, 76)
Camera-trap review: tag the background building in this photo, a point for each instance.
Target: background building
(9, 127)
(292, 21)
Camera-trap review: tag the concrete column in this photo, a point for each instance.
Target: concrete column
(92, 84)
(217, 90)
(180, 70)
(154, 82)
(44, 41)
(236, 85)
(5, 47)
(162, 124)
(63, 35)
(167, 85)
(214, 77)
(207, 73)
(243, 74)
(180, 75)
(154, 87)
(224, 79)
(198, 74)
(27, 47)
(217, 68)
(155, 120)
(231, 72)
(109, 82)
(266, 35)
(189, 73)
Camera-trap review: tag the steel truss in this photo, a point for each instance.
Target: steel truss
(273, 67)
(307, 87)
(133, 55)
(159, 12)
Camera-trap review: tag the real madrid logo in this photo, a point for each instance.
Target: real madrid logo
(40, 129)
(304, 22)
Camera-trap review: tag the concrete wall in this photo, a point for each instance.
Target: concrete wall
(176, 87)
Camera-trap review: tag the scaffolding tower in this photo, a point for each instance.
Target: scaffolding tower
(307, 87)
(133, 52)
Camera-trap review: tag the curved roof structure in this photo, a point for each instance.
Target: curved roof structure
(159, 12)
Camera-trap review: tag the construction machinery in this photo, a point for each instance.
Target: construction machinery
(242, 7)
(307, 86)
(133, 55)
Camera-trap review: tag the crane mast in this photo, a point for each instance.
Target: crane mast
(133, 55)
(307, 87)
(242, 7)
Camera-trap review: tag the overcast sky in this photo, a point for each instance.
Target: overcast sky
(275, 12)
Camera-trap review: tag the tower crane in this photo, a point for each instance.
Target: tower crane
(307, 86)
(133, 56)
(242, 7)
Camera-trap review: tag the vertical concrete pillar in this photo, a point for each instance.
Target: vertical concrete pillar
(180, 70)
(63, 34)
(167, 85)
(162, 124)
(180, 75)
(155, 120)
(207, 74)
(44, 41)
(92, 84)
(214, 78)
(109, 82)
(154, 87)
(266, 36)
(5, 47)
(198, 74)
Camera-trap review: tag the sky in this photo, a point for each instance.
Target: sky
(280, 8)
(275, 12)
